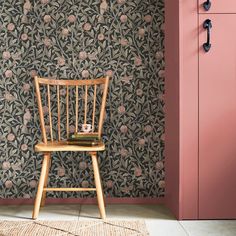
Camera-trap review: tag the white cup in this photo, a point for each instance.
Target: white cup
(86, 128)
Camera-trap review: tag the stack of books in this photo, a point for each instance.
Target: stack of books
(84, 139)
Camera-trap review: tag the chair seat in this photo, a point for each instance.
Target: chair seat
(54, 146)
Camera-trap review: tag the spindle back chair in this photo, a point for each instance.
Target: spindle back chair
(84, 102)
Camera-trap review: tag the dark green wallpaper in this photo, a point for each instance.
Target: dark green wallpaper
(84, 39)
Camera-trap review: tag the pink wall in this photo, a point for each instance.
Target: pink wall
(172, 104)
(182, 108)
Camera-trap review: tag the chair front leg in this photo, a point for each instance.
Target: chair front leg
(98, 185)
(46, 180)
(40, 186)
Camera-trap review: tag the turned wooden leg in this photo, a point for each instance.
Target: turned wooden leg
(46, 181)
(98, 185)
(40, 186)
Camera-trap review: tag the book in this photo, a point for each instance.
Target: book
(84, 139)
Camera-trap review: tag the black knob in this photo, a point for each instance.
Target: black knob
(207, 5)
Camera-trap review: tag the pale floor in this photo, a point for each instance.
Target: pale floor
(159, 221)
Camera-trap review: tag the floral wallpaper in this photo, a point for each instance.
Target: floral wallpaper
(84, 39)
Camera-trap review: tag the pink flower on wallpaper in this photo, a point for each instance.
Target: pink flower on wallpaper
(87, 26)
(24, 147)
(61, 171)
(47, 42)
(123, 152)
(26, 87)
(159, 55)
(10, 26)
(44, 1)
(27, 115)
(33, 73)
(109, 184)
(103, 6)
(137, 171)
(9, 97)
(62, 92)
(85, 184)
(148, 128)
(124, 42)
(161, 73)
(161, 184)
(71, 18)
(26, 195)
(141, 32)
(121, 109)
(24, 37)
(8, 184)
(141, 142)
(27, 6)
(121, 1)
(61, 61)
(71, 128)
(124, 129)
(148, 18)
(159, 165)
(109, 73)
(47, 18)
(65, 32)
(47, 128)
(83, 55)
(33, 183)
(8, 73)
(138, 61)
(24, 19)
(83, 165)
(45, 110)
(6, 165)
(85, 74)
(101, 37)
(123, 18)
(6, 55)
(126, 79)
(139, 92)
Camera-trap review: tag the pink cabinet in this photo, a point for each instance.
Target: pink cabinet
(217, 118)
(201, 109)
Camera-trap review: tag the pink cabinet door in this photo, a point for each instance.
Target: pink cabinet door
(217, 117)
(218, 6)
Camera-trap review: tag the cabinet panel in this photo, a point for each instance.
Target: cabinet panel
(217, 6)
(217, 117)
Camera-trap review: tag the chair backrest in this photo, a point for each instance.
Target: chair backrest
(72, 103)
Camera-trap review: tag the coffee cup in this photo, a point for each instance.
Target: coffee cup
(86, 128)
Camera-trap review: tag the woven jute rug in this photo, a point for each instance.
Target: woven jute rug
(71, 228)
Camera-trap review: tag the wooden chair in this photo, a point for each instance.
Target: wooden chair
(58, 94)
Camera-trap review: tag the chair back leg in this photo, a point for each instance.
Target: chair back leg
(41, 185)
(98, 184)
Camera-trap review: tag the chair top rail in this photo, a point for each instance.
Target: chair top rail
(71, 82)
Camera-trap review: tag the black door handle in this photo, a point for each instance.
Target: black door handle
(207, 5)
(207, 25)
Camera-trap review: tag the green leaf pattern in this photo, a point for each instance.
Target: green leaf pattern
(77, 39)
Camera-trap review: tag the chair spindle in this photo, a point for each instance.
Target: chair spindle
(76, 108)
(58, 113)
(67, 111)
(49, 112)
(94, 105)
(85, 104)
